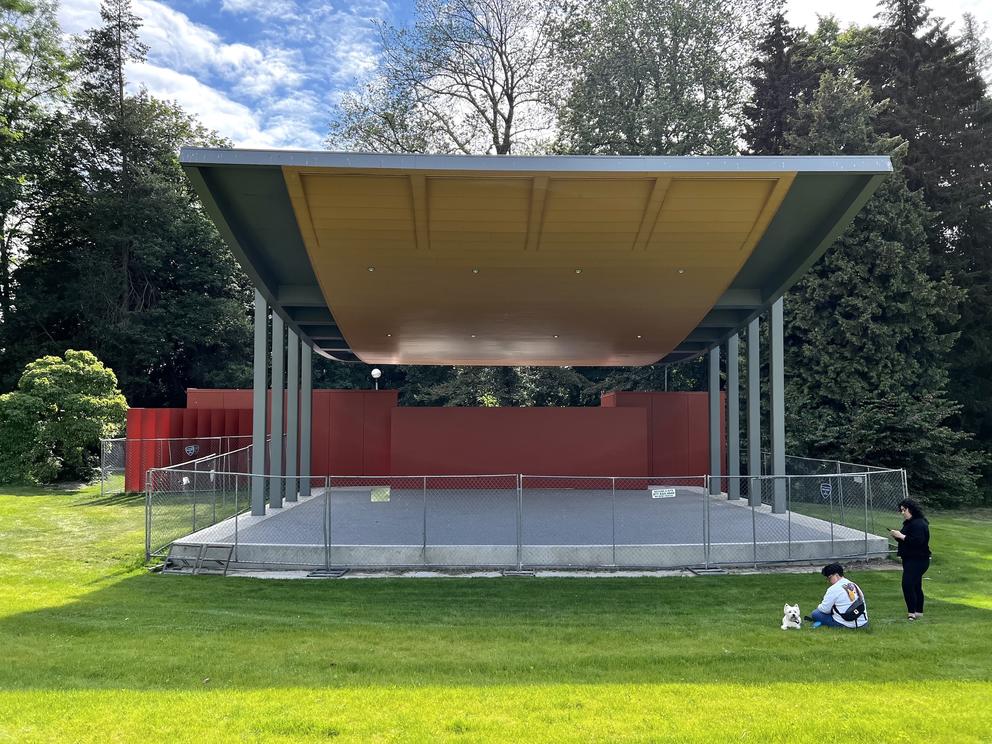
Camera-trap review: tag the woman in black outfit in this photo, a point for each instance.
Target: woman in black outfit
(914, 549)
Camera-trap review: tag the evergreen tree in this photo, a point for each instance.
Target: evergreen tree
(941, 106)
(122, 261)
(867, 329)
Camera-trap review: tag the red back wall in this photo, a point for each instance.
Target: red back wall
(535, 441)
(363, 432)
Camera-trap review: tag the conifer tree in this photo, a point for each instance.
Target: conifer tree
(940, 104)
(868, 330)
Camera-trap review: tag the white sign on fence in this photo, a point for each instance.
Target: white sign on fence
(663, 493)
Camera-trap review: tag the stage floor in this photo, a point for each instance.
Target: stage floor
(557, 527)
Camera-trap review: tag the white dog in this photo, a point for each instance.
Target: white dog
(791, 618)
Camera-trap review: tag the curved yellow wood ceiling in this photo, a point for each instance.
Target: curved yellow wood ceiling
(541, 269)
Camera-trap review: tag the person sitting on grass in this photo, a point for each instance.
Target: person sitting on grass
(843, 605)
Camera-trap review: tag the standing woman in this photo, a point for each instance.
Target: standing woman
(914, 549)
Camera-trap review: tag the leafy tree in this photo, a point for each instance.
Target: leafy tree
(468, 76)
(122, 259)
(51, 426)
(659, 78)
(33, 69)
(867, 330)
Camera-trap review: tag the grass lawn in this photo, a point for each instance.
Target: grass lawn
(93, 648)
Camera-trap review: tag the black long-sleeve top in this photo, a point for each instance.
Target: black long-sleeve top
(917, 541)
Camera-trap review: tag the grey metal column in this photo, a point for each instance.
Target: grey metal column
(714, 401)
(754, 411)
(733, 417)
(275, 435)
(777, 386)
(306, 403)
(258, 408)
(292, 412)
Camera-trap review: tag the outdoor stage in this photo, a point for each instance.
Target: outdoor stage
(372, 527)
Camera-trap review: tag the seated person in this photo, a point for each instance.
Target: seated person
(843, 605)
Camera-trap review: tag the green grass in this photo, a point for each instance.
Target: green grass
(93, 648)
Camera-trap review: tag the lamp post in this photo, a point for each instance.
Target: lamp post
(376, 374)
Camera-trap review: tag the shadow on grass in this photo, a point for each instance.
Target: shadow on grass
(169, 633)
(115, 499)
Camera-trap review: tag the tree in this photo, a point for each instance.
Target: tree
(939, 103)
(122, 259)
(469, 76)
(659, 78)
(868, 331)
(51, 426)
(33, 74)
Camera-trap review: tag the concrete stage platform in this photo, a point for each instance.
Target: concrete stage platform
(556, 528)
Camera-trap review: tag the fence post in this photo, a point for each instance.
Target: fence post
(788, 515)
(237, 515)
(833, 550)
(867, 495)
(613, 508)
(148, 517)
(423, 548)
(327, 522)
(520, 516)
(754, 521)
(706, 522)
(840, 495)
(194, 484)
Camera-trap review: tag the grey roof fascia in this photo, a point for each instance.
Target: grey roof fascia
(866, 164)
(213, 209)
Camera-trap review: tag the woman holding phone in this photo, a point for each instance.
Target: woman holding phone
(914, 549)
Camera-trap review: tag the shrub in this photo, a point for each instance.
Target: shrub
(51, 426)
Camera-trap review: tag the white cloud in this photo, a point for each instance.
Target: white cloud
(245, 126)
(257, 96)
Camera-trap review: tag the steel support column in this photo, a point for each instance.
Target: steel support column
(714, 401)
(777, 386)
(754, 411)
(258, 408)
(292, 413)
(733, 417)
(275, 435)
(306, 406)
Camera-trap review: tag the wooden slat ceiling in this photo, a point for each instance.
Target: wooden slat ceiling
(538, 268)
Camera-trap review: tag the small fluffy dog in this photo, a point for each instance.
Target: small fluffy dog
(791, 618)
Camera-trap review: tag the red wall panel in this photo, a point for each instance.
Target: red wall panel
(537, 441)
(346, 440)
(216, 422)
(321, 428)
(376, 439)
(132, 452)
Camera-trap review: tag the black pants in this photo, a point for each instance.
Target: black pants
(912, 582)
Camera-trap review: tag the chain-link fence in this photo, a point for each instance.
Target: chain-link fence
(523, 521)
(112, 461)
(124, 463)
(185, 499)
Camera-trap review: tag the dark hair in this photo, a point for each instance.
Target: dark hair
(912, 506)
(832, 569)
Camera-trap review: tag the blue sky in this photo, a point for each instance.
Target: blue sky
(265, 73)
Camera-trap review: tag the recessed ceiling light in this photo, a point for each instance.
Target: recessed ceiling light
(389, 335)
(475, 271)
(473, 335)
(639, 335)
(371, 268)
(681, 271)
(578, 271)
(556, 335)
